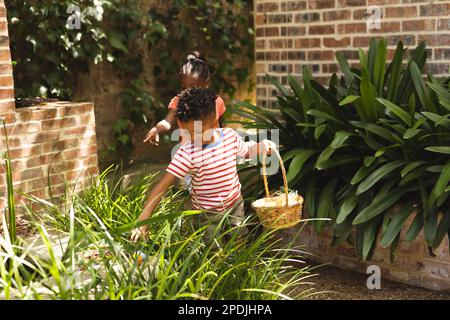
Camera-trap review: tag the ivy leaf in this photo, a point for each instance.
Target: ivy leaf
(117, 43)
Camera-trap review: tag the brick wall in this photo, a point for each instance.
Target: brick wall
(290, 34)
(53, 140)
(6, 77)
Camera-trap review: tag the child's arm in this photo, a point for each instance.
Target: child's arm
(162, 127)
(153, 200)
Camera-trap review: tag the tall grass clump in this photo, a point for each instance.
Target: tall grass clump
(176, 262)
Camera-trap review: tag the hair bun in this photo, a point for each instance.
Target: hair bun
(194, 56)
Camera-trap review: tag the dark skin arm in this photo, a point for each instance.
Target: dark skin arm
(153, 135)
(153, 200)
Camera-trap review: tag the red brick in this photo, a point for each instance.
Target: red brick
(37, 184)
(360, 14)
(419, 25)
(359, 42)
(22, 128)
(41, 137)
(382, 2)
(74, 109)
(436, 39)
(89, 118)
(260, 44)
(61, 145)
(6, 107)
(330, 68)
(280, 43)
(79, 131)
(62, 123)
(65, 166)
(351, 3)
(407, 39)
(91, 161)
(270, 6)
(320, 4)
(44, 159)
(271, 31)
(387, 27)
(56, 179)
(293, 31)
(322, 29)
(437, 68)
(293, 5)
(29, 174)
(336, 43)
(307, 43)
(352, 28)
(279, 18)
(260, 19)
(6, 93)
(272, 56)
(307, 17)
(293, 55)
(33, 113)
(336, 15)
(443, 24)
(5, 55)
(6, 82)
(435, 9)
(401, 12)
(26, 152)
(82, 152)
(321, 55)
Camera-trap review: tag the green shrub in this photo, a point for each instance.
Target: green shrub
(374, 137)
(180, 263)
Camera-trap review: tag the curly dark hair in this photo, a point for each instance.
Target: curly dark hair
(196, 104)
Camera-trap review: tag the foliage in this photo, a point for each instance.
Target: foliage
(180, 263)
(49, 57)
(375, 137)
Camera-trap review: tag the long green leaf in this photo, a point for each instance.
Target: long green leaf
(381, 205)
(441, 184)
(297, 163)
(379, 174)
(396, 224)
(399, 112)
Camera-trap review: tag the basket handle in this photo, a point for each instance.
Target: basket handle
(283, 172)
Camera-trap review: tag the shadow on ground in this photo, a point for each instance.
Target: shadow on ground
(345, 285)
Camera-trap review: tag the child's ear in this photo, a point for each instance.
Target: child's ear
(216, 123)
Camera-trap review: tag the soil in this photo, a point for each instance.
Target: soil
(345, 285)
(23, 227)
(29, 102)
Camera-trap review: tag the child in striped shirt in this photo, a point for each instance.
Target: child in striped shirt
(210, 158)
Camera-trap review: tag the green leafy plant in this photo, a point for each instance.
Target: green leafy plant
(9, 185)
(178, 262)
(375, 137)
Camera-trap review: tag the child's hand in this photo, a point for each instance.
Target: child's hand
(267, 146)
(152, 136)
(138, 233)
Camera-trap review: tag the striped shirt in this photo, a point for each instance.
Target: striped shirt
(215, 182)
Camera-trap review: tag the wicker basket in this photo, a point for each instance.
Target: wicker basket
(282, 211)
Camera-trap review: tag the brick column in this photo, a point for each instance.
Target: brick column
(6, 73)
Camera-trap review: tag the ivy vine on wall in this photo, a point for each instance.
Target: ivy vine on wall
(48, 56)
